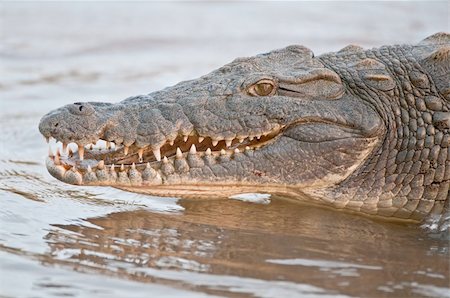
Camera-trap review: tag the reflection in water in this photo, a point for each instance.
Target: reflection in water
(285, 243)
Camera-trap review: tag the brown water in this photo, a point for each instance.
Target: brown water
(61, 240)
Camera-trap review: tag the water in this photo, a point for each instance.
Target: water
(61, 240)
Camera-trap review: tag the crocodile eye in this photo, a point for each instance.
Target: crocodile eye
(262, 88)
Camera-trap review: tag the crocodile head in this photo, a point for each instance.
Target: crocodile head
(281, 122)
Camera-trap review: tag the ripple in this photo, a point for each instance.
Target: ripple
(322, 264)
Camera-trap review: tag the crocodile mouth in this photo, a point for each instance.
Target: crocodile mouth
(71, 162)
(176, 160)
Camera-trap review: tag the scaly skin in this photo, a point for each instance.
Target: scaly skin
(364, 130)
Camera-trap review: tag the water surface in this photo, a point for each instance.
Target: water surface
(61, 240)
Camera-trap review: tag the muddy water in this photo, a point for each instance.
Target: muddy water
(60, 240)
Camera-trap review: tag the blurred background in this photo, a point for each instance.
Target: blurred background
(111, 50)
(59, 240)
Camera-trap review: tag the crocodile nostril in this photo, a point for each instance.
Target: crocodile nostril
(56, 124)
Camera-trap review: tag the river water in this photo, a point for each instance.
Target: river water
(61, 240)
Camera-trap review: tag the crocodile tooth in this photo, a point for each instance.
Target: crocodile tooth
(241, 140)
(140, 154)
(223, 152)
(89, 169)
(157, 154)
(125, 150)
(112, 168)
(47, 139)
(258, 137)
(81, 152)
(208, 151)
(185, 138)
(228, 142)
(237, 150)
(179, 154)
(172, 142)
(201, 139)
(165, 160)
(251, 138)
(193, 150)
(215, 142)
(247, 148)
(133, 166)
(50, 151)
(147, 166)
(122, 167)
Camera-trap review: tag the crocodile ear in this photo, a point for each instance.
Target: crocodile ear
(374, 74)
(320, 83)
(437, 65)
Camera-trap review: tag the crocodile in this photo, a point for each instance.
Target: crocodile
(363, 130)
